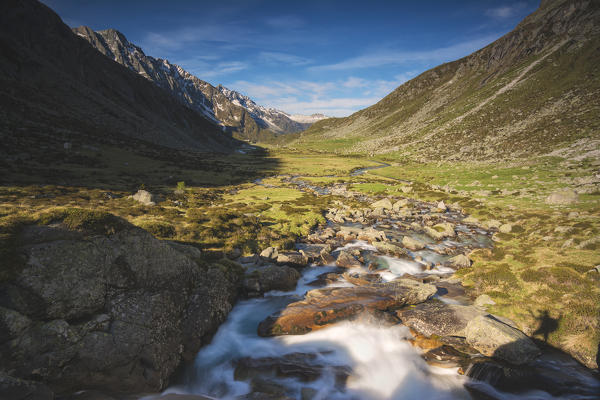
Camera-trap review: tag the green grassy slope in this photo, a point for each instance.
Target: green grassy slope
(532, 91)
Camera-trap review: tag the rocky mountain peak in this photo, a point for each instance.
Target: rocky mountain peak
(231, 110)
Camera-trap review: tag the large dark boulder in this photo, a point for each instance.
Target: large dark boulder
(114, 309)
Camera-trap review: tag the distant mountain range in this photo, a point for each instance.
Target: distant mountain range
(56, 88)
(536, 90)
(229, 109)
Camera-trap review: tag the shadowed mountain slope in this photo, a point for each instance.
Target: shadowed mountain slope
(533, 91)
(53, 84)
(233, 111)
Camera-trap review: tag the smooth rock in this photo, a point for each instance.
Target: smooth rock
(386, 204)
(412, 243)
(347, 260)
(322, 307)
(460, 261)
(497, 339)
(272, 277)
(293, 258)
(562, 197)
(269, 253)
(483, 300)
(437, 318)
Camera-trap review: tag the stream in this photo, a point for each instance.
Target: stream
(366, 359)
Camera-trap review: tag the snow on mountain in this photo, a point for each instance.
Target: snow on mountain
(229, 109)
(307, 119)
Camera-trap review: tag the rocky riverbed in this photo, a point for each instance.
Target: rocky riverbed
(376, 313)
(364, 307)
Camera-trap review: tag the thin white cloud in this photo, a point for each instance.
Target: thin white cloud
(333, 98)
(391, 57)
(206, 70)
(272, 57)
(505, 11)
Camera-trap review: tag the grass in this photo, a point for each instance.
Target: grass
(528, 272)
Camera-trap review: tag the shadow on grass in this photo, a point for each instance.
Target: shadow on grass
(127, 165)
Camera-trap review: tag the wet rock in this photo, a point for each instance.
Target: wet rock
(362, 279)
(271, 277)
(322, 307)
(326, 257)
(20, 389)
(302, 366)
(313, 251)
(447, 357)
(347, 260)
(440, 231)
(270, 253)
(293, 258)
(412, 243)
(389, 248)
(562, 197)
(385, 204)
(437, 318)
(497, 339)
(326, 278)
(460, 261)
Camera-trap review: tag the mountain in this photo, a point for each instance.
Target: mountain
(308, 119)
(233, 111)
(536, 90)
(55, 87)
(270, 118)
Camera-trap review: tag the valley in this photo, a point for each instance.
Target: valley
(164, 238)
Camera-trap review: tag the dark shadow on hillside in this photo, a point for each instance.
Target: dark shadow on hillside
(123, 164)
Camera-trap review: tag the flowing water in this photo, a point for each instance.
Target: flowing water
(376, 360)
(381, 362)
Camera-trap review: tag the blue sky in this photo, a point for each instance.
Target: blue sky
(333, 57)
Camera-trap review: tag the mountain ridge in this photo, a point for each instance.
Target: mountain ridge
(233, 111)
(473, 108)
(56, 87)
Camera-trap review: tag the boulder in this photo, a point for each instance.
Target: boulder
(397, 206)
(347, 260)
(20, 389)
(440, 231)
(372, 235)
(562, 197)
(437, 318)
(412, 244)
(497, 339)
(293, 258)
(442, 206)
(271, 277)
(313, 251)
(326, 257)
(460, 261)
(386, 204)
(302, 366)
(270, 253)
(120, 310)
(322, 307)
(483, 300)
(389, 248)
(505, 228)
(145, 197)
